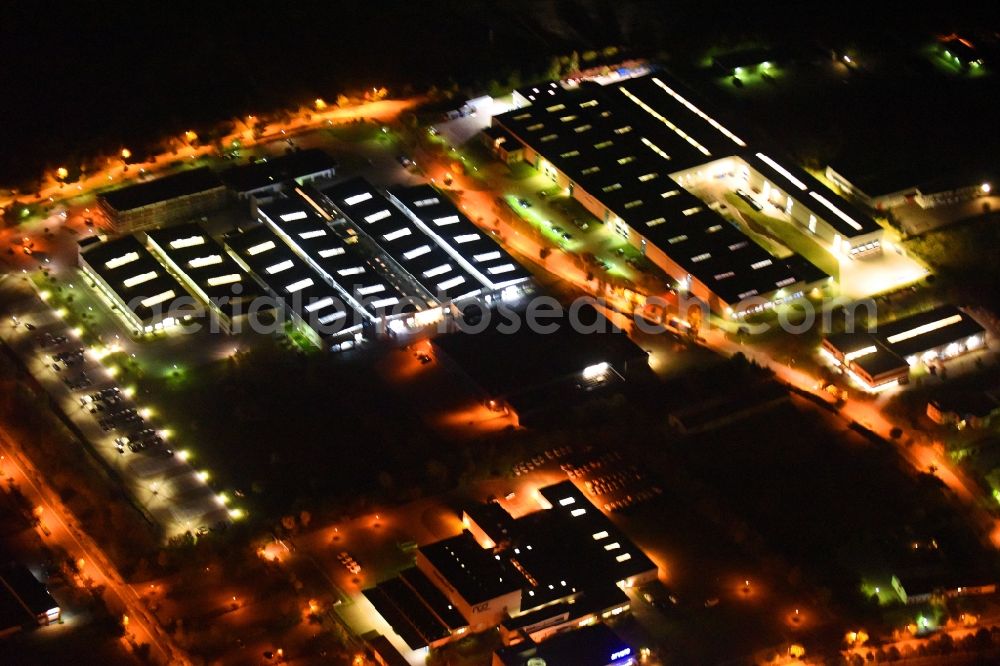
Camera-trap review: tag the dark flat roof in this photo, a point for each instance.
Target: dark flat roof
(401, 624)
(385, 650)
(433, 597)
(493, 519)
(472, 569)
(591, 601)
(907, 336)
(179, 184)
(504, 363)
(880, 362)
(944, 324)
(267, 172)
(19, 588)
(566, 550)
(498, 133)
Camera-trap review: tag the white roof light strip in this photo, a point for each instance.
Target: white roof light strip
(139, 279)
(187, 242)
(278, 267)
(782, 170)
(659, 116)
(224, 279)
(926, 328)
(299, 286)
(358, 198)
(836, 211)
(122, 260)
(399, 233)
(201, 262)
(698, 112)
(262, 247)
(159, 298)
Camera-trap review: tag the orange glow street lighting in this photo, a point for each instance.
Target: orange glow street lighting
(320, 104)
(126, 153)
(62, 173)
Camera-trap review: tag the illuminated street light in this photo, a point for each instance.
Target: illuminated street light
(190, 136)
(126, 153)
(985, 188)
(320, 104)
(62, 173)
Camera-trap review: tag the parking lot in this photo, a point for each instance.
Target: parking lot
(123, 433)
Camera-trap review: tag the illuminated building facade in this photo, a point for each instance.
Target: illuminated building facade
(135, 286)
(883, 357)
(181, 196)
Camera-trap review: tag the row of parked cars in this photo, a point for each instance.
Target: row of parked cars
(109, 406)
(65, 360)
(349, 562)
(555, 453)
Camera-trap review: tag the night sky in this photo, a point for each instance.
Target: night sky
(78, 77)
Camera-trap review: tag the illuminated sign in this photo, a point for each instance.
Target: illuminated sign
(621, 653)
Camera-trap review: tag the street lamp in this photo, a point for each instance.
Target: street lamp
(62, 173)
(985, 188)
(126, 153)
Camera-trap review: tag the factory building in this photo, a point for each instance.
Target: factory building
(884, 356)
(178, 197)
(628, 152)
(208, 272)
(545, 572)
(135, 286)
(314, 306)
(263, 180)
(24, 601)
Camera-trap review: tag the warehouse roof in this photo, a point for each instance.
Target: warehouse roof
(206, 263)
(336, 256)
(22, 597)
(472, 570)
(559, 552)
(474, 249)
(184, 183)
(505, 362)
(928, 330)
(881, 361)
(620, 143)
(846, 218)
(576, 542)
(268, 171)
(888, 345)
(290, 279)
(136, 277)
(402, 239)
